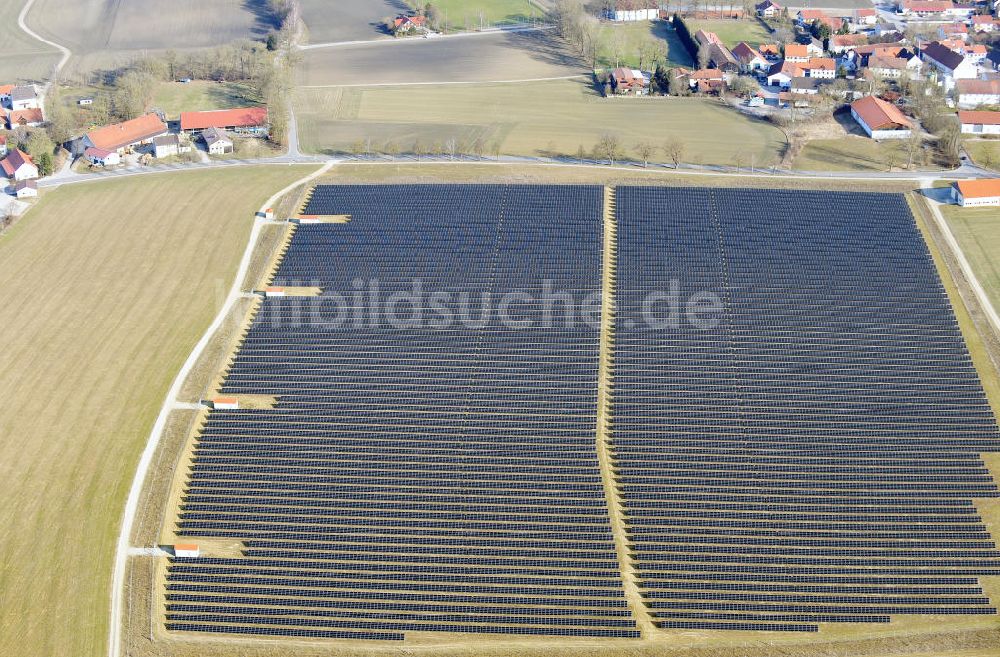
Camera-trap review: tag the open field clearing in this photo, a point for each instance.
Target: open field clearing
(620, 43)
(105, 288)
(105, 33)
(732, 31)
(556, 117)
(475, 59)
(199, 95)
(23, 57)
(348, 20)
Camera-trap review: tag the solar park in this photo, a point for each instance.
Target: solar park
(810, 458)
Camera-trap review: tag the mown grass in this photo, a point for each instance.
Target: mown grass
(201, 95)
(853, 153)
(471, 14)
(619, 44)
(536, 118)
(732, 31)
(978, 233)
(104, 289)
(984, 152)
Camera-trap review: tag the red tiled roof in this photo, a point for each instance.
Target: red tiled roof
(927, 5)
(979, 87)
(416, 20)
(119, 135)
(984, 118)
(98, 153)
(820, 63)
(848, 39)
(243, 117)
(706, 74)
(796, 50)
(981, 188)
(5, 89)
(878, 114)
(861, 13)
(14, 161)
(26, 116)
(745, 52)
(812, 14)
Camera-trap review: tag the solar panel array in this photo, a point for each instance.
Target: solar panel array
(433, 473)
(801, 443)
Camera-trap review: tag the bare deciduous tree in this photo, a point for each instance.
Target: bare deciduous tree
(673, 148)
(645, 151)
(609, 147)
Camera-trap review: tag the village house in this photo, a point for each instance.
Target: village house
(864, 17)
(840, 43)
(891, 68)
(807, 16)
(634, 10)
(769, 9)
(796, 52)
(121, 137)
(707, 80)
(244, 120)
(18, 166)
(403, 25)
(979, 123)
(25, 118)
(880, 119)
(975, 193)
(165, 146)
(949, 63)
(973, 93)
(5, 90)
(953, 31)
(629, 82)
(24, 97)
(217, 142)
(806, 86)
(984, 23)
(750, 60)
(102, 157)
(973, 52)
(819, 67)
(924, 8)
(3, 145)
(781, 74)
(26, 189)
(769, 51)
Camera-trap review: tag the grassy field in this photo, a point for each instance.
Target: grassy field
(22, 57)
(984, 152)
(471, 14)
(624, 39)
(104, 33)
(481, 59)
(852, 153)
(176, 97)
(979, 236)
(555, 117)
(104, 289)
(732, 31)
